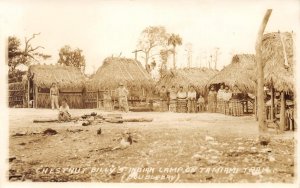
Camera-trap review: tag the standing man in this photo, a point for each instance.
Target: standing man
(122, 94)
(54, 92)
(107, 103)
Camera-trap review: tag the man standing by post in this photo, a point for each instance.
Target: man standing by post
(122, 94)
(54, 92)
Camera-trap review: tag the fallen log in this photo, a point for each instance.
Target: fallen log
(114, 120)
(138, 120)
(52, 120)
(45, 120)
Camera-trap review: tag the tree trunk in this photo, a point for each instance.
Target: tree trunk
(174, 60)
(282, 112)
(146, 62)
(260, 73)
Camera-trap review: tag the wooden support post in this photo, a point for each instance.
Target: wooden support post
(272, 103)
(255, 108)
(97, 102)
(282, 112)
(260, 74)
(36, 96)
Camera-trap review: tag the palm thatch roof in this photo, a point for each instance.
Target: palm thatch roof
(67, 77)
(115, 70)
(240, 72)
(185, 77)
(277, 52)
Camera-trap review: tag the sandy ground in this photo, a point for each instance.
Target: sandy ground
(175, 147)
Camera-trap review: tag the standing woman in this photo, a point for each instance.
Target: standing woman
(54, 92)
(181, 100)
(235, 106)
(220, 100)
(226, 98)
(212, 100)
(163, 93)
(191, 96)
(173, 99)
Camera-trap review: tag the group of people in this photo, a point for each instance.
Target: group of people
(222, 101)
(225, 101)
(180, 101)
(218, 101)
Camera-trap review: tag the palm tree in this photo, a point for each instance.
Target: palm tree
(174, 40)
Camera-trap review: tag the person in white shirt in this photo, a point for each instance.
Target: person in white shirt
(64, 111)
(54, 92)
(181, 100)
(191, 96)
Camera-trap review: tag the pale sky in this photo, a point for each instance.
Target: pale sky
(103, 28)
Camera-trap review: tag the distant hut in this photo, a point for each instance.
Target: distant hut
(128, 71)
(70, 81)
(279, 62)
(240, 72)
(198, 77)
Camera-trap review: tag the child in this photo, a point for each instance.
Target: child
(64, 109)
(201, 104)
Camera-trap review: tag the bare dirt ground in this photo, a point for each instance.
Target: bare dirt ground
(174, 147)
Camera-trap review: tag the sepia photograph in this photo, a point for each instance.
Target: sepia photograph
(140, 91)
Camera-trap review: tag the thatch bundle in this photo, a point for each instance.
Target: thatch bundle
(115, 70)
(240, 72)
(277, 52)
(198, 77)
(67, 77)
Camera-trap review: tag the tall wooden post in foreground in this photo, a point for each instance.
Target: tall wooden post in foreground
(282, 112)
(260, 73)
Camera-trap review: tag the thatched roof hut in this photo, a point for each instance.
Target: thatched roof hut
(198, 77)
(240, 72)
(67, 77)
(277, 54)
(115, 70)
